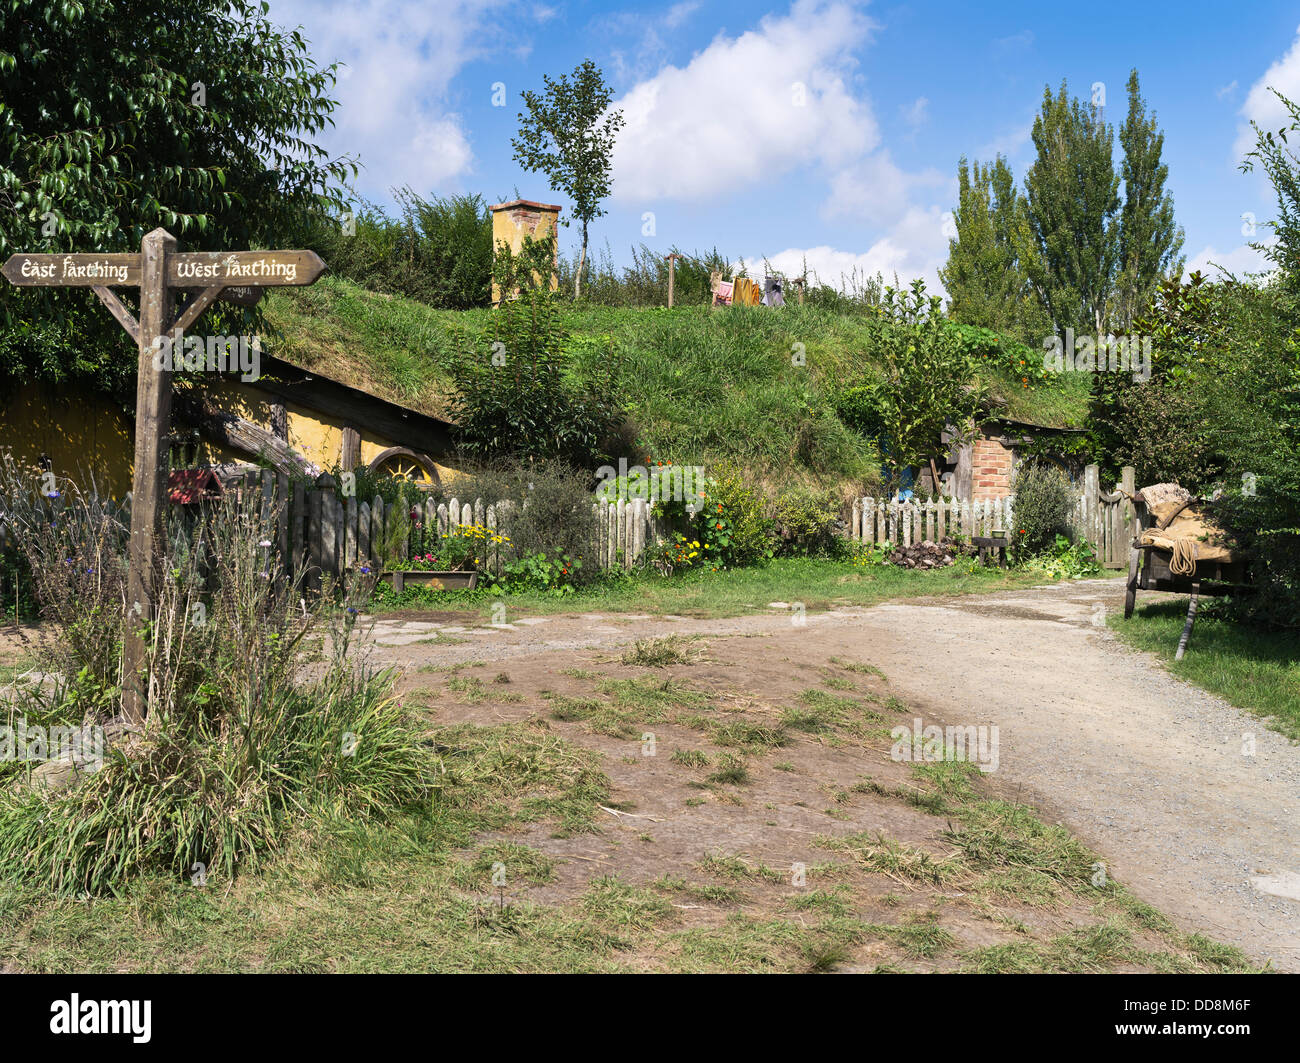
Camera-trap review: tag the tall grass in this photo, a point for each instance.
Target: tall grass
(258, 715)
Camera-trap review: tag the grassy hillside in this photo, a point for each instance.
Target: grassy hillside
(700, 385)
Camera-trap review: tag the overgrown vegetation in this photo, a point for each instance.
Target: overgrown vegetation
(240, 744)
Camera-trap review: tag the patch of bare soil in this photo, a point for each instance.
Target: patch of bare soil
(754, 781)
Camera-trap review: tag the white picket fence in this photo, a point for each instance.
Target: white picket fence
(879, 520)
(1103, 518)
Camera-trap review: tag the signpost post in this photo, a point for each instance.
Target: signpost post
(158, 270)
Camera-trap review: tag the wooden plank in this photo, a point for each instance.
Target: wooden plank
(298, 530)
(195, 307)
(116, 270)
(261, 268)
(331, 530)
(315, 516)
(363, 535)
(378, 531)
(350, 518)
(282, 521)
(124, 317)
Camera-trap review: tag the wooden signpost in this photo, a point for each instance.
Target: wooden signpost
(158, 271)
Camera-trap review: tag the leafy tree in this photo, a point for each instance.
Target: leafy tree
(118, 116)
(1149, 241)
(1273, 154)
(928, 383)
(1072, 197)
(569, 135)
(985, 277)
(515, 392)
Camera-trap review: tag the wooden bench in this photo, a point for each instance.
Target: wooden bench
(998, 541)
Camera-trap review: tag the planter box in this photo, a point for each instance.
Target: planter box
(436, 581)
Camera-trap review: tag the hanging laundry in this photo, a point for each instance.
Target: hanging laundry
(772, 294)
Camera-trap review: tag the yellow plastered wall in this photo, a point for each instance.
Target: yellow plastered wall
(512, 221)
(84, 436)
(89, 439)
(315, 436)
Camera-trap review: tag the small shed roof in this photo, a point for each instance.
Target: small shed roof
(514, 204)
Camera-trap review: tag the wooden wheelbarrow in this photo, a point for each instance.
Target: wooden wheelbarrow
(1149, 569)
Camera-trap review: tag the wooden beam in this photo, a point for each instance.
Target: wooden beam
(109, 298)
(350, 456)
(195, 307)
(377, 416)
(244, 437)
(279, 421)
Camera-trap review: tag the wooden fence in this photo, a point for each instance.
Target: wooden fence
(1104, 518)
(321, 534)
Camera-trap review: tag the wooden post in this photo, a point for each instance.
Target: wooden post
(801, 281)
(157, 271)
(153, 411)
(672, 269)
(1091, 488)
(1191, 619)
(1128, 483)
(350, 457)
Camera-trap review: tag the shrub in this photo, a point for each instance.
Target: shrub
(1044, 508)
(806, 521)
(71, 547)
(750, 535)
(515, 396)
(549, 514)
(439, 251)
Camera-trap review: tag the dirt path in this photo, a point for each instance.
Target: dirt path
(1146, 769)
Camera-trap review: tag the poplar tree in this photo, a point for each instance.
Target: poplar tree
(1149, 241)
(1072, 200)
(985, 279)
(569, 134)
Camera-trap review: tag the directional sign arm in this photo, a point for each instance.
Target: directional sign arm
(109, 298)
(195, 307)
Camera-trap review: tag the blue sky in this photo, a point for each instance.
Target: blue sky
(820, 129)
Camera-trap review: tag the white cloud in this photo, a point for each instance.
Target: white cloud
(1009, 144)
(1227, 89)
(915, 247)
(1262, 106)
(876, 191)
(916, 114)
(1238, 260)
(747, 108)
(679, 13)
(400, 57)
